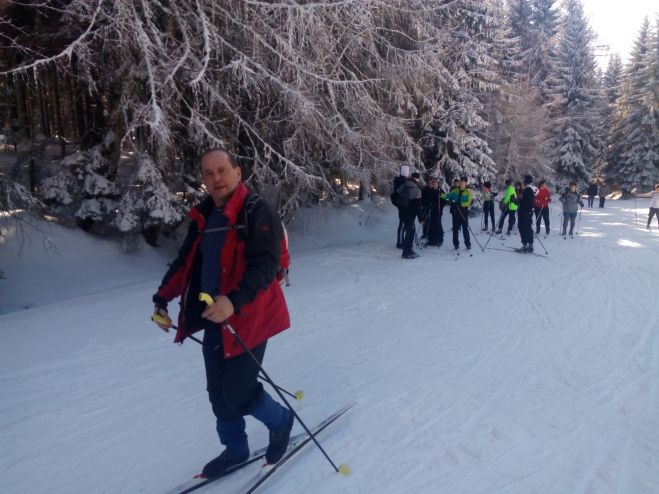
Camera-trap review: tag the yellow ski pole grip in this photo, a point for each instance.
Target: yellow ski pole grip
(204, 297)
(158, 319)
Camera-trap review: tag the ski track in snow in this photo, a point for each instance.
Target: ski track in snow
(497, 373)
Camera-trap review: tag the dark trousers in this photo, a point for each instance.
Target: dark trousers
(435, 229)
(541, 214)
(233, 388)
(571, 217)
(653, 211)
(461, 221)
(511, 219)
(591, 201)
(408, 236)
(488, 210)
(602, 199)
(525, 221)
(401, 231)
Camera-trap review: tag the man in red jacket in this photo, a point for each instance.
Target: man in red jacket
(541, 207)
(232, 252)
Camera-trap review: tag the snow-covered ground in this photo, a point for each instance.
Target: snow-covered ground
(497, 373)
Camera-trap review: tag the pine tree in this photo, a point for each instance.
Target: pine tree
(544, 28)
(574, 87)
(454, 141)
(518, 120)
(635, 145)
(611, 92)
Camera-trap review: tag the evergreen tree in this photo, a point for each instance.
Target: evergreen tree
(611, 92)
(574, 87)
(544, 28)
(454, 140)
(635, 148)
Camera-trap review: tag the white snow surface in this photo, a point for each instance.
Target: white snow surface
(497, 373)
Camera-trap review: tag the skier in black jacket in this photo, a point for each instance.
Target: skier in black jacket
(525, 214)
(398, 181)
(410, 208)
(433, 215)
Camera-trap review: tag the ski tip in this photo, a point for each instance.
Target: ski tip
(200, 476)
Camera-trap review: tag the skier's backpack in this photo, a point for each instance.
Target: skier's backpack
(284, 256)
(395, 197)
(403, 196)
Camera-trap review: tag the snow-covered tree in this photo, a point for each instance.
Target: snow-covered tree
(634, 146)
(454, 139)
(148, 204)
(575, 91)
(83, 185)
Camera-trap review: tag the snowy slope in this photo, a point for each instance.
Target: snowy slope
(497, 373)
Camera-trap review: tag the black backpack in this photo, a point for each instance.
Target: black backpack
(395, 195)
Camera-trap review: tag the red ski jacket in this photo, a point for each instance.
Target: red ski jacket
(542, 198)
(249, 261)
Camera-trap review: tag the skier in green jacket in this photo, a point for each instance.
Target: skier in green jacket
(508, 207)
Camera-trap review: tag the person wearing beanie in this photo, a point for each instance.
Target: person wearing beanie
(488, 205)
(398, 181)
(460, 200)
(525, 214)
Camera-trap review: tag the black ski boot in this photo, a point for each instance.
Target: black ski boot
(279, 441)
(220, 464)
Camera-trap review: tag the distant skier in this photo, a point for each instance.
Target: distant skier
(398, 181)
(433, 215)
(603, 192)
(571, 201)
(541, 207)
(591, 192)
(460, 200)
(525, 214)
(426, 204)
(654, 204)
(508, 208)
(410, 205)
(488, 205)
(238, 268)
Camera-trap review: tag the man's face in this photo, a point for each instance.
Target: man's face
(434, 184)
(463, 184)
(573, 188)
(219, 176)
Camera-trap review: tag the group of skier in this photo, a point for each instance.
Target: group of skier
(523, 203)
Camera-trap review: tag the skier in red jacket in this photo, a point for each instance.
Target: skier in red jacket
(233, 253)
(541, 207)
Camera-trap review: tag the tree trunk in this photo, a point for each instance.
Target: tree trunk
(58, 115)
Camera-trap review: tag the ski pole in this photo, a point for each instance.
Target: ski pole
(343, 469)
(472, 232)
(633, 191)
(543, 246)
(497, 227)
(298, 395)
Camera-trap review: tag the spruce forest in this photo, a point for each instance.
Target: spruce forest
(106, 106)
